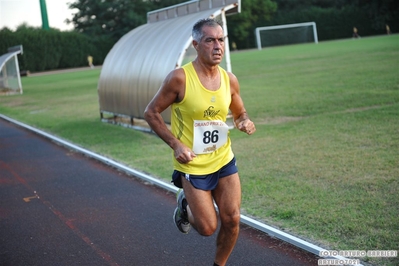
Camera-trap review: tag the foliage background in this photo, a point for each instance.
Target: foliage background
(335, 19)
(53, 49)
(100, 24)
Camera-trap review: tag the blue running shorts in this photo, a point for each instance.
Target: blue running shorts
(205, 182)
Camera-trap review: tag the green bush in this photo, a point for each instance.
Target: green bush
(53, 49)
(331, 23)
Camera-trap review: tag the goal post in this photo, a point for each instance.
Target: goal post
(10, 78)
(287, 27)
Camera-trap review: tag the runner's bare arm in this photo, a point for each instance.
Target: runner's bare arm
(240, 116)
(171, 90)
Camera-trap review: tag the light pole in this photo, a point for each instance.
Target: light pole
(43, 8)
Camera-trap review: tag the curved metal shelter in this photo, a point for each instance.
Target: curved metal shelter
(135, 67)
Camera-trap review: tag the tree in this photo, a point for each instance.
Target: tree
(113, 18)
(335, 19)
(381, 12)
(241, 26)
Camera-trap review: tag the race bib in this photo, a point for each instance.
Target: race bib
(209, 135)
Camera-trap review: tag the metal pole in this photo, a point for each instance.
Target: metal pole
(257, 34)
(226, 42)
(18, 73)
(45, 24)
(316, 39)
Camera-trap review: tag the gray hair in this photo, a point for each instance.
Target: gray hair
(197, 33)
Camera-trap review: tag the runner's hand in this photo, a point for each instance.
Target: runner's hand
(184, 155)
(246, 126)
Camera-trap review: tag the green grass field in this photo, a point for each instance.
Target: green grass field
(324, 162)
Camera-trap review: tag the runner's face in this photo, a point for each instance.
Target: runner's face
(211, 47)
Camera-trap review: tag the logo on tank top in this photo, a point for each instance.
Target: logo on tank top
(213, 99)
(210, 112)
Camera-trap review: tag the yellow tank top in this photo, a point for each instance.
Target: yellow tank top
(197, 121)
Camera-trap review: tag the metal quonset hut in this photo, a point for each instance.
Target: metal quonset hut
(135, 67)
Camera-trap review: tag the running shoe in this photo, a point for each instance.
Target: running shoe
(182, 203)
(180, 217)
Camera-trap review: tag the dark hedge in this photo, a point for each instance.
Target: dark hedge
(53, 49)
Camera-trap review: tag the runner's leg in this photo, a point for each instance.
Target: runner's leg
(227, 196)
(201, 211)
